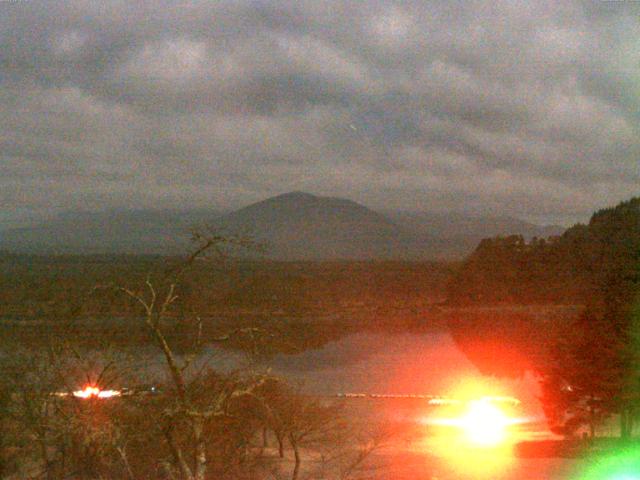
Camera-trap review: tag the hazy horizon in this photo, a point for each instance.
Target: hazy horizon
(22, 219)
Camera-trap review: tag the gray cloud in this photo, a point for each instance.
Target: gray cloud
(516, 107)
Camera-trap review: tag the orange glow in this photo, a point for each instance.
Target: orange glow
(94, 392)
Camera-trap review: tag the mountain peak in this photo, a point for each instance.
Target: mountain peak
(296, 194)
(300, 225)
(302, 200)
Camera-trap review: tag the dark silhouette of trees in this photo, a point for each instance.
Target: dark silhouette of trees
(594, 368)
(599, 364)
(588, 378)
(299, 420)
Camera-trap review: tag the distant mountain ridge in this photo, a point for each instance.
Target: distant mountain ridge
(299, 225)
(293, 226)
(477, 227)
(109, 231)
(574, 268)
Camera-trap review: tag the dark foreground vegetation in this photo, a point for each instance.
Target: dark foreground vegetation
(113, 322)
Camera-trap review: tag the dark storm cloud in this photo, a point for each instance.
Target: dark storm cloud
(525, 108)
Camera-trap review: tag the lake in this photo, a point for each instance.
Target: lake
(424, 363)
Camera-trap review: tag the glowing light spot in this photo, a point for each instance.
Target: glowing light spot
(473, 438)
(484, 423)
(94, 392)
(475, 434)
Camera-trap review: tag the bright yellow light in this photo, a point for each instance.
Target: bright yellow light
(473, 437)
(484, 424)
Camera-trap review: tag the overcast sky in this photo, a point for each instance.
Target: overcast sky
(524, 108)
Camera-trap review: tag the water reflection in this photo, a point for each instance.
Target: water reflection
(398, 363)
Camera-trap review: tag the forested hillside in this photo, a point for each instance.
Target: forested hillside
(587, 261)
(588, 365)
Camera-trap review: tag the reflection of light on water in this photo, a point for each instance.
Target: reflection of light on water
(483, 420)
(475, 436)
(483, 423)
(466, 443)
(462, 458)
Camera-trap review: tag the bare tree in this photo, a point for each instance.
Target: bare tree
(300, 420)
(354, 462)
(189, 410)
